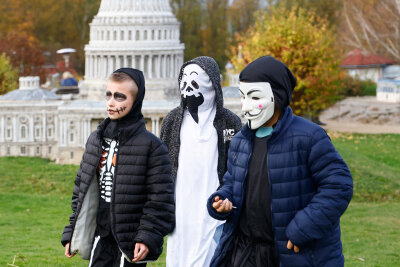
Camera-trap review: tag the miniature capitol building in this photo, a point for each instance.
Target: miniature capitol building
(138, 34)
(125, 33)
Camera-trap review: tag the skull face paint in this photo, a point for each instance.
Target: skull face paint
(197, 91)
(257, 103)
(120, 98)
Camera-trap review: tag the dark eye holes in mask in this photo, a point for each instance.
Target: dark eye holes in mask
(194, 84)
(257, 98)
(119, 97)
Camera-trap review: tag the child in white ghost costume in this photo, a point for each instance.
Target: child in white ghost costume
(197, 134)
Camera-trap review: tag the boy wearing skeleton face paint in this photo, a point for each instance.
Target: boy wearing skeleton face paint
(286, 185)
(197, 134)
(123, 200)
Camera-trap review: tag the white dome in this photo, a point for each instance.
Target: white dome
(134, 6)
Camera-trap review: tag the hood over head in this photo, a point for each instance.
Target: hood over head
(211, 68)
(277, 74)
(135, 114)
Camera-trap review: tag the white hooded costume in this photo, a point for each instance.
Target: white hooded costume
(194, 240)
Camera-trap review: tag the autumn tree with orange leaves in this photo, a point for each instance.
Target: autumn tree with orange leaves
(24, 52)
(48, 24)
(306, 45)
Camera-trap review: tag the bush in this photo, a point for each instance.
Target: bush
(354, 87)
(368, 88)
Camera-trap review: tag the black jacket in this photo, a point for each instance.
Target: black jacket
(142, 203)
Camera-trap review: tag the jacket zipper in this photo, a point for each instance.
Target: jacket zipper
(270, 194)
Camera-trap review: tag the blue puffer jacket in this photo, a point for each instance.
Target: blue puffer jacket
(311, 187)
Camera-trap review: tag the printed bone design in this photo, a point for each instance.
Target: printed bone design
(107, 167)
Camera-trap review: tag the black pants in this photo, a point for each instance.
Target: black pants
(248, 253)
(105, 253)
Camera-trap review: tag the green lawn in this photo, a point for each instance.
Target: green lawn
(370, 234)
(35, 197)
(374, 161)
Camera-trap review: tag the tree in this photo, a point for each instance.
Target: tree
(214, 34)
(328, 10)
(24, 52)
(14, 17)
(306, 45)
(56, 23)
(372, 25)
(63, 23)
(190, 14)
(8, 75)
(241, 15)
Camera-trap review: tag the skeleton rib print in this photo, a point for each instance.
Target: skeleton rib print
(107, 167)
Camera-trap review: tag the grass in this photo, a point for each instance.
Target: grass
(35, 196)
(370, 234)
(374, 162)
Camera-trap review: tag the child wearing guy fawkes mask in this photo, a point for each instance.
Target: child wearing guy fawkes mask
(197, 134)
(288, 184)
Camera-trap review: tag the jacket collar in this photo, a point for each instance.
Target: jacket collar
(125, 133)
(279, 129)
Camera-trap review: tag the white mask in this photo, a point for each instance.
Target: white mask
(197, 90)
(258, 103)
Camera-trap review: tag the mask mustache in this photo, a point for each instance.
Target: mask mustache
(252, 115)
(192, 103)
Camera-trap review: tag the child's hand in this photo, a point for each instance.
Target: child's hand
(290, 246)
(223, 206)
(67, 251)
(140, 252)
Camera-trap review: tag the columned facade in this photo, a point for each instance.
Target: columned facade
(138, 34)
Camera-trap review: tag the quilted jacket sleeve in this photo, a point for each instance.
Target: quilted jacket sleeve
(334, 191)
(159, 210)
(224, 191)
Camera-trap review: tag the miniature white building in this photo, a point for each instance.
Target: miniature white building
(388, 90)
(138, 34)
(125, 33)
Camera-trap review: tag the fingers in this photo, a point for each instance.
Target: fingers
(217, 204)
(229, 205)
(290, 246)
(223, 206)
(140, 252)
(67, 251)
(136, 251)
